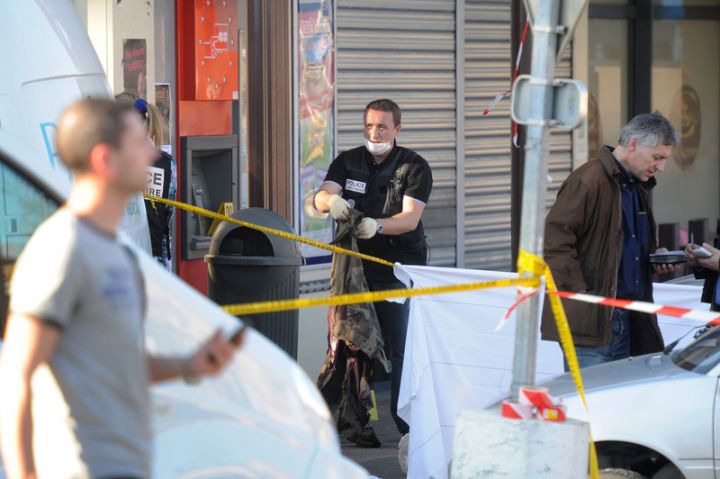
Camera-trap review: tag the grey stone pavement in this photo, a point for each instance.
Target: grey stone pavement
(383, 461)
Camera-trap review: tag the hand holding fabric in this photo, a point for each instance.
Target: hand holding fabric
(339, 208)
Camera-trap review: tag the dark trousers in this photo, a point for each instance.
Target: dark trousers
(393, 319)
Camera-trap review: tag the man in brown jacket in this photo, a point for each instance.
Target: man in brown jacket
(598, 236)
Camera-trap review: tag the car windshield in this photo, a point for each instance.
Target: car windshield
(702, 355)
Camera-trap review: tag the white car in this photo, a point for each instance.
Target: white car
(654, 416)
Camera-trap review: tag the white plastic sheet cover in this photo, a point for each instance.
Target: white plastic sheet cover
(455, 360)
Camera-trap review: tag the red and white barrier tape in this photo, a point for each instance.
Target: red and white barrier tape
(506, 93)
(515, 75)
(711, 318)
(495, 101)
(515, 410)
(537, 396)
(523, 294)
(520, 49)
(534, 402)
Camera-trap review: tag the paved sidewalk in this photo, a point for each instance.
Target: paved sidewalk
(383, 461)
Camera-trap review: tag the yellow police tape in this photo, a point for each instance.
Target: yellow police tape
(372, 297)
(535, 267)
(272, 231)
(530, 268)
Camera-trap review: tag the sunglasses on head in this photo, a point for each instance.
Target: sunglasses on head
(141, 106)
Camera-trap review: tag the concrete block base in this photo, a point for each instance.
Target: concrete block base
(487, 445)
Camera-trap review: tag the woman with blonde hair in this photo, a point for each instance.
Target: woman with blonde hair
(161, 180)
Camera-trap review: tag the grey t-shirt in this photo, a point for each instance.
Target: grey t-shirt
(89, 285)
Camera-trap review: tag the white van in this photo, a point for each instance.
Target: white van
(263, 417)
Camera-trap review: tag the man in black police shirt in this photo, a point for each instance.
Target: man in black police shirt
(391, 186)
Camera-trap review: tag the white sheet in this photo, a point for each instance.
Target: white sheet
(454, 360)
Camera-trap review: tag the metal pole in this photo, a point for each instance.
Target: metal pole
(545, 37)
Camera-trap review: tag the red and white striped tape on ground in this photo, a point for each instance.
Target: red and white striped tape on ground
(515, 410)
(537, 396)
(534, 402)
(709, 317)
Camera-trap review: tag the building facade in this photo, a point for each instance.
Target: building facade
(301, 71)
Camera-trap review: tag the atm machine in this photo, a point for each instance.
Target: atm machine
(211, 173)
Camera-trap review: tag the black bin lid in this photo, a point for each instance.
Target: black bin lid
(232, 240)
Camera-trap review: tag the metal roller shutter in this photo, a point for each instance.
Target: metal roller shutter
(488, 138)
(405, 50)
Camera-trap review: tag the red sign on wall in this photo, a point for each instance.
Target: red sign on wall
(134, 65)
(216, 50)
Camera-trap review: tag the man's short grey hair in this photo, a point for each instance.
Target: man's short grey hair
(650, 129)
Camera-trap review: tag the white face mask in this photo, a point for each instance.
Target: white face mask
(377, 149)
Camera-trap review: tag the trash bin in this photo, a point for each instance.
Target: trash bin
(246, 266)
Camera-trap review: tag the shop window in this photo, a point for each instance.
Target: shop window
(608, 80)
(23, 206)
(686, 89)
(647, 55)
